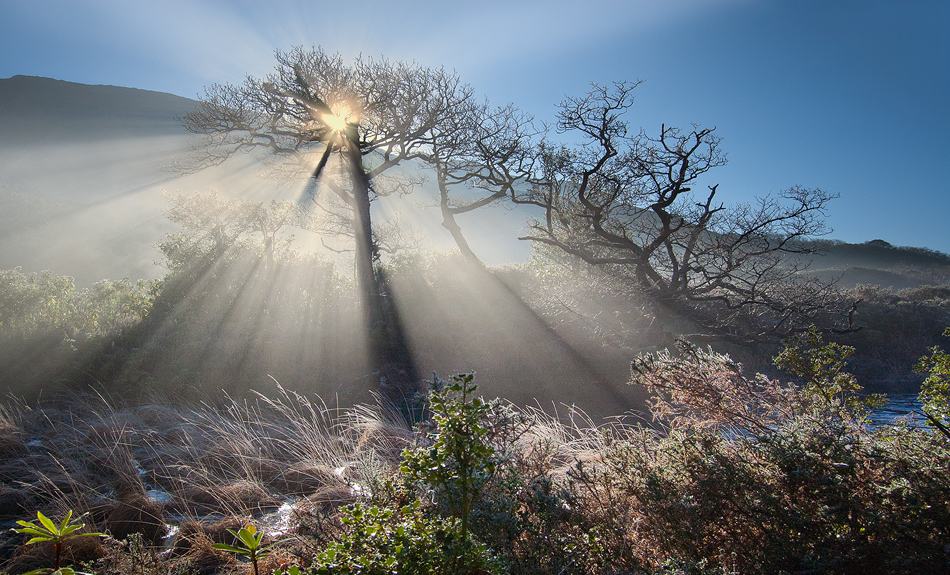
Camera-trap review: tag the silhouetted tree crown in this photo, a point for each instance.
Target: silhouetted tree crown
(626, 202)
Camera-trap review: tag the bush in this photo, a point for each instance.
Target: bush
(404, 541)
(756, 476)
(935, 391)
(460, 461)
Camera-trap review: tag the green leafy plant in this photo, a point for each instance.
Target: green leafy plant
(248, 544)
(461, 460)
(935, 390)
(57, 534)
(821, 366)
(403, 541)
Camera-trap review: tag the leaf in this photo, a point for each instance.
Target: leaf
(262, 551)
(47, 523)
(249, 539)
(41, 539)
(69, 515)
(231, 548)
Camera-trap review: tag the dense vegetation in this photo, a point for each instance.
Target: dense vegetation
(733, 475)
(725, 473)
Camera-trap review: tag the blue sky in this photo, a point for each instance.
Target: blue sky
(848, 96)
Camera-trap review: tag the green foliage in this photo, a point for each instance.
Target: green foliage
(31, 302)
(404, 541)
(66, 333)
(935, 390)
(460, 461)
(36, 303)
(473, 466)
(821, 366)
(248, 543)
(47, 531)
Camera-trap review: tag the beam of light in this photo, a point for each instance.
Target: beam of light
(462, 317)
(489, 328)
(107, 200)
(238, 322)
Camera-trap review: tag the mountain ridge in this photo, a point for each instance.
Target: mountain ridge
(34, 109)
(19, 86)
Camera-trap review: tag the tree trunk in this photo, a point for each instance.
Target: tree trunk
(366, 250)
(389, 351)
(448, 222)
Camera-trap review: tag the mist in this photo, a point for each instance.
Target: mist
(85, 191)
(88, 175)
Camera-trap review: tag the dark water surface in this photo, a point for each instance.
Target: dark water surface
(898, 406)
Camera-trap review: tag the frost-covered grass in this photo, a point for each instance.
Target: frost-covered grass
(735, 475)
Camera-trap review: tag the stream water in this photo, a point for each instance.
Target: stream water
(899, 407)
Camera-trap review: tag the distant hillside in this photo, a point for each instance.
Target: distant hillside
(82, 170)
(878, 254)
(879, 263)
(42, 109)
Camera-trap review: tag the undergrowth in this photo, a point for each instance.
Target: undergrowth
(735, 474)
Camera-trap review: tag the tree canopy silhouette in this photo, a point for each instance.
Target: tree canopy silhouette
(626, 202)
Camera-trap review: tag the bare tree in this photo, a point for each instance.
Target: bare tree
(626, 203)
(488, 155)
(372, 124)
(368, 117)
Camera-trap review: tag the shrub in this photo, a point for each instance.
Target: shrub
(460, 461)
(935, 391)
(755, 476)
(404, 541)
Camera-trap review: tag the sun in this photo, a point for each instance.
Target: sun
(334, 122)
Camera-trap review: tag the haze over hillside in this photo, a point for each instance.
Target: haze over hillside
(52, 111)
(82, 170)
(81, 176)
